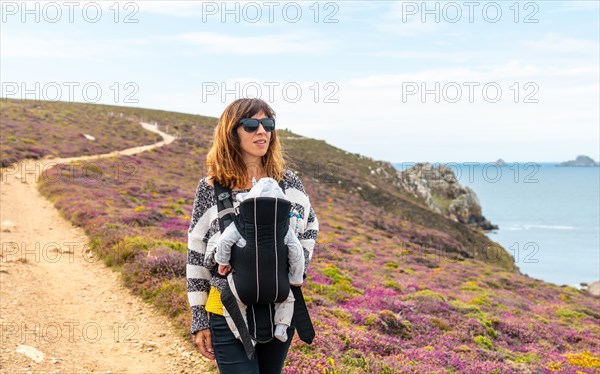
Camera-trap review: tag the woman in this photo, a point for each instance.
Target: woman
(242, 150)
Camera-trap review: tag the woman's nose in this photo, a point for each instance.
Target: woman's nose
(260, 129)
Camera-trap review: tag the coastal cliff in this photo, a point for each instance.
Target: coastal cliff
(442, 192)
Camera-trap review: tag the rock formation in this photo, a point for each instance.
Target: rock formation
(594, 288)
(440, 190)
(580, 161)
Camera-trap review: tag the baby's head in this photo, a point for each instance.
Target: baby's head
(265, 187)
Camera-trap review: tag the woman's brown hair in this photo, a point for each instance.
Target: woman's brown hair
(224, 161)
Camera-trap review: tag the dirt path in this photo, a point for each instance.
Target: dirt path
(57, 298)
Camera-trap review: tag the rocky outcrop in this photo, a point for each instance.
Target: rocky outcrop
(440, 190)
(594, 288)
(580, 161)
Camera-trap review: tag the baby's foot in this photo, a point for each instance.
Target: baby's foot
(281, 332)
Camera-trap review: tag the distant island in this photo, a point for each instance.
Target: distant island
(500, 162)
(580, 161)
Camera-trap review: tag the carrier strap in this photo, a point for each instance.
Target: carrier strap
(224, 204)
(304, 325)
(227, 215)
(227, 211)
(229, 301)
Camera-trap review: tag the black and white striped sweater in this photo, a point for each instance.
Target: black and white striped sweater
(204, 232)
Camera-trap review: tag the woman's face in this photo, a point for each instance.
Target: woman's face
(254, 144)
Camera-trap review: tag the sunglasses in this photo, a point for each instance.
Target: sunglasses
(251, 124)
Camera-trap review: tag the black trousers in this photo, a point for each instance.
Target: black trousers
(231, 357)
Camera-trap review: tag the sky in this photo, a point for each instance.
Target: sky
(398, 81)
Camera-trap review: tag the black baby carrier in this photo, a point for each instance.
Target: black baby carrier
(260, 268)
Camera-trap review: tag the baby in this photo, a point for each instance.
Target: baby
(265, 187)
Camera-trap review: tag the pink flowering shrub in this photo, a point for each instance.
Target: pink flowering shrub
(392, 287)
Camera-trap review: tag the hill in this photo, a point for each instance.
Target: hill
(26, 125)
(393, 286)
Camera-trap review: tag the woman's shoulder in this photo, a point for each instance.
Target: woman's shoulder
(205, 188)
(292, 180)
(204, 201)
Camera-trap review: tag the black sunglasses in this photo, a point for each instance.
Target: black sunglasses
(251, 124)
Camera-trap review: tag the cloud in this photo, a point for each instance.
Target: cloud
(377, 100)
(402, 20)
(557, 44)
(250, 12)
(299, 42)
(35, 47)
(56, 47)
(455, 56)
(187, 9)
(510, 71)
(412, 27)
(577, 6)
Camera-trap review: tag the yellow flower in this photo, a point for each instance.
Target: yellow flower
(555, 366)
(584, 359)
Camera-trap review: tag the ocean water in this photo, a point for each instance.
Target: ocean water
(548, 216)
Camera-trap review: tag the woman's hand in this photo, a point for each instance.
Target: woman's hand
(204, 342)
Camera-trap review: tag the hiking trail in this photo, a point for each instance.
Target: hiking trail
(61, 309)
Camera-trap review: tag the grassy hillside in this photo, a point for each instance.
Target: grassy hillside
(34, 129)
(392, 286)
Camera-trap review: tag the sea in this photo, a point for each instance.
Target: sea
(548, 216)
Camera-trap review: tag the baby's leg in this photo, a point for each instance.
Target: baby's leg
(284, 312)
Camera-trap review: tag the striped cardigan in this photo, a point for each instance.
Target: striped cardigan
(204, 232)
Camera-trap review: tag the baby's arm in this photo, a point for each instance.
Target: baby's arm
(295, 257)
(223, 248)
